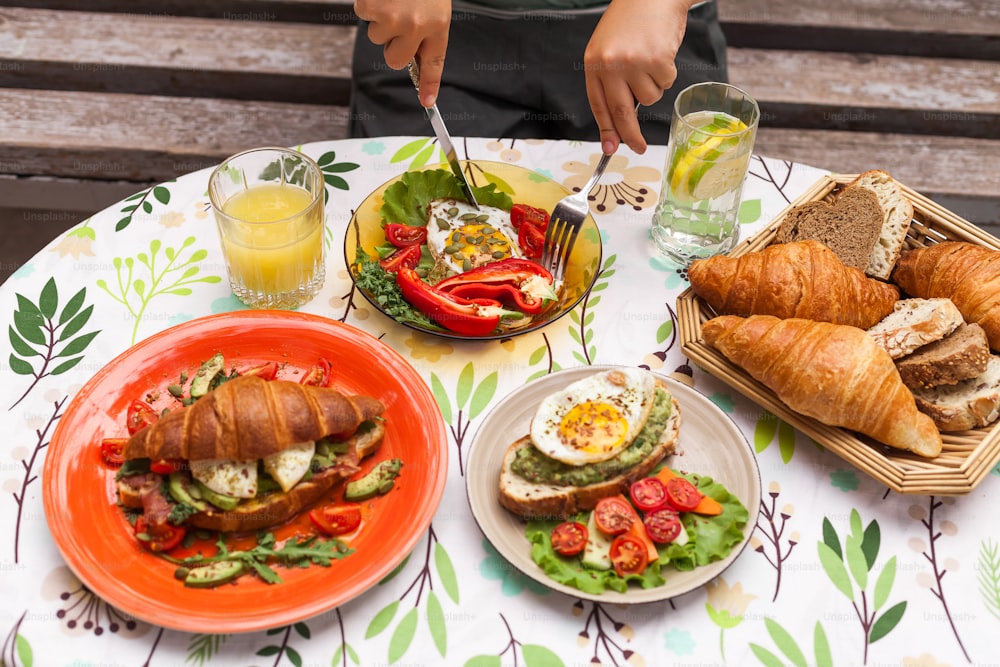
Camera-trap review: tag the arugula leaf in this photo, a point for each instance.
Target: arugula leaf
(406, 200)
(381, 285)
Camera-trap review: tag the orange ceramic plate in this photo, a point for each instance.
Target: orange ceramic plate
(97, 542)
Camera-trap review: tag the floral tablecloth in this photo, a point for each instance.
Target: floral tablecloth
(839, 571)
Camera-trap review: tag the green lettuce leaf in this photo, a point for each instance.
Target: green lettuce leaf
(406, 200)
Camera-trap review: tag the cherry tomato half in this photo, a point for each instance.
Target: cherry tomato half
(401, 235)
(648, 494)
(613, 515)
(112, 451)
(569, 538)
(337, 519)
(531, 240)
(166, 466)
(408, 257)
(663, 525)
(521, 213)
(140, 415)
(267, 371)
(320, 375)
(628, 556)
(164, 538)
(682, 494)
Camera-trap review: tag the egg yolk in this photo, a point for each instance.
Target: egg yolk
(593, 427)
(480, 243)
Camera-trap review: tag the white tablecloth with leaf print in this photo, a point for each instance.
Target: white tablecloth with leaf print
(839, 571)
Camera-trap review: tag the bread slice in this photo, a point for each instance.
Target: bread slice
(914, 323)
(960, 355)
(850, 226)
(968, 404)
(530, 500)
(897, 212)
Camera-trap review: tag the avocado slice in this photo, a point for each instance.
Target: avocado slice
(202, 380)
(378, 481)
(220, 500)
(214, 574)
(179, 486)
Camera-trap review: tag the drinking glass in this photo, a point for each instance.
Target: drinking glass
(712, 134)
(269, 210)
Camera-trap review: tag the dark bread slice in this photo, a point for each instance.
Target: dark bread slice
(961, 355)
(850, 226)
(969, 404)
(545, 501)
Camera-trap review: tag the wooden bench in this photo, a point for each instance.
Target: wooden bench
(127, 94)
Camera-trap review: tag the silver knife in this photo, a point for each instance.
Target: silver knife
(444, 139)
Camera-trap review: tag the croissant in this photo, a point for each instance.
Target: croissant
(966, 273)
(798, 279)
(833, 373)
(248, 418)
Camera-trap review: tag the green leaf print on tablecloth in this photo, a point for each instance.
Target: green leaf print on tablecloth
(38, 332)
(171, 277)
(582, 318)
(201, 648)
(749, 212)
(534, 655)
(16, 649)
(988, 576)
(768, 424)
(420, 150)
(331, 168)
(284, 649)
(481, 395)
(793, 654)
(140, 200)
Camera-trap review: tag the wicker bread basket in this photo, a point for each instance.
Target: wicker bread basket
(967, 456)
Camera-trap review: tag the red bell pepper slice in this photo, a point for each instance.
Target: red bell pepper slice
(402, 236)
(505, 293)
(507, 280)
(472, 317)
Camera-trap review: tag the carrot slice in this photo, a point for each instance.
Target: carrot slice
(707, 506)
(638, 531)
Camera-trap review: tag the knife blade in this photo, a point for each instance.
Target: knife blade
(444, 139)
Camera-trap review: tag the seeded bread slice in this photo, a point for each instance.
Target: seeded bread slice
(531, 500)
(968, 404)
(897, 213)
(960, 355)
(914, 323)
(850, 226)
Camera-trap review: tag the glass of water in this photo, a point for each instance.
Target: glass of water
(712, 134)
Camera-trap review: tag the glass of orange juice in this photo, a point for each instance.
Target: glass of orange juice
(269, 209)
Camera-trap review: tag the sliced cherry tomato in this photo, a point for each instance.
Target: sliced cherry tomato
(663, 525)
(613, 515)
(320, 375)
(267, 371)
(140, 415)
(402, 236)
(408, 257)
(628, 555)
(337, 519)
(682, 494)
(531, 239)
(166, 466)
(112, 451)
(164, 538)
(521, 213)
(569, 538)
(648, 494)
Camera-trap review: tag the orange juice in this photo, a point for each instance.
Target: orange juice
(273, 241)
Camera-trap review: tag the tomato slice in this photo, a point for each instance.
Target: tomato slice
(140, 415)
(521, 213)
(112, 451)
(628, 556)
(648, 494)
(320, 375)
(267, 371)
(166, 466)
(164, 538)
(531, 239)
(408, 257)
(337, 519)
(401, 235)
(662, 525)
(569, 538)
(682, 494)
(613, 515)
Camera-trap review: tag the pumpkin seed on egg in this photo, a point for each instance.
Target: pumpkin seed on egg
(468, 216)
(483, 217)
(467, 264)
(487, 230)
(453, 248)
(442, 223)
(456, 237)
(498, 254)
(453, 211)
(484, 248)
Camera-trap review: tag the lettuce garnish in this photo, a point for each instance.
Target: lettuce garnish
(406, 200)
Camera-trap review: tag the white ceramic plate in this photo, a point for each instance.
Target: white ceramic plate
(710, 444)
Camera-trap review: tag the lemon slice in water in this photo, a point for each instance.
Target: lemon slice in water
(695, 173)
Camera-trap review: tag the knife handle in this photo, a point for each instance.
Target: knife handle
(414, 74)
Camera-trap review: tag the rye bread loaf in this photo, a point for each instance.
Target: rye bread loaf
(850, 226)
(531, 500)
(969, 404)
(961, 355)
(897, 213)
(914, 323)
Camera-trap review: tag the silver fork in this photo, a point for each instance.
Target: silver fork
(565, 223)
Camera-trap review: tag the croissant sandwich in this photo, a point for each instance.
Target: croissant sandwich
(966, 273)
(796, 279)
(833, 373)
(248, 455)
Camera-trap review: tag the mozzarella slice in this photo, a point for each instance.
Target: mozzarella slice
(230, 478)
(287, 467)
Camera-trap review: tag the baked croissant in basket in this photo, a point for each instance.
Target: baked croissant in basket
(797, 279)
(833, 373)
(966, 273)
